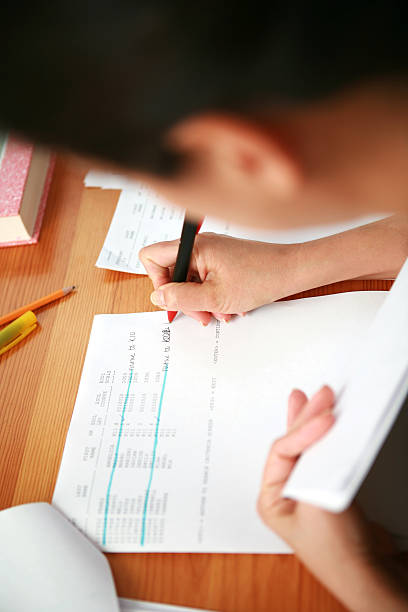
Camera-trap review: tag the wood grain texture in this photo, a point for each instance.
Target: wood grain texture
(38, 385)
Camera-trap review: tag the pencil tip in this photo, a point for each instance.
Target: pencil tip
(171, 316)
(67, 290)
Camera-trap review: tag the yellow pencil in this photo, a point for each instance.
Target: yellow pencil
(37, 304)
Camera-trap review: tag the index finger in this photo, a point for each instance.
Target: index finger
(285, 451)
(158, 259)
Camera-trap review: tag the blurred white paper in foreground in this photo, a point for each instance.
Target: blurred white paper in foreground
(47, 565)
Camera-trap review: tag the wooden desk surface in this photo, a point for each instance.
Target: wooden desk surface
(38, 385)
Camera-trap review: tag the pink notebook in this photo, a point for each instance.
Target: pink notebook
(25, 178)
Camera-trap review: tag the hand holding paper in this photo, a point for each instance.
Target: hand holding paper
(340, 549)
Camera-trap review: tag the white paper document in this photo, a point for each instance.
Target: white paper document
(46, 565)
(142, 218)
(330, 473)
(108, 180)
(172, 423)
(138, 605)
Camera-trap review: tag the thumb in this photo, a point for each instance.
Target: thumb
(186, 296)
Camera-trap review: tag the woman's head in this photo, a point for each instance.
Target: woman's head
(277, 116)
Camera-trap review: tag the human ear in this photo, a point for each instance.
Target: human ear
(243, 151)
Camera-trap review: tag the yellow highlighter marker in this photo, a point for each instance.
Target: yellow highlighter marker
(16, 331)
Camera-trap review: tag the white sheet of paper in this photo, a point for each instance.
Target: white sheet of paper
(108, 180)
(136, 605)
(172, 424)
(47, 565)
(142, 218)
(330, 473)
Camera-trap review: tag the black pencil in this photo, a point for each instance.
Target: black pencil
(188, 234)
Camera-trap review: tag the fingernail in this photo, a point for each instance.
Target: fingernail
(226, 320)
(203, 324)
(157, 298)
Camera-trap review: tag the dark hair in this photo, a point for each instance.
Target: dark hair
(109, 77)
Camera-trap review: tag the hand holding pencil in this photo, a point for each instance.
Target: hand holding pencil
(228, 276)
(179, 263)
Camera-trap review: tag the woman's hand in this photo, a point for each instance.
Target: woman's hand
(233, 276)
(228, 276)
(342, 550)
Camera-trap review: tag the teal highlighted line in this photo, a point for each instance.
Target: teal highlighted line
(156, 438)
(115, 460)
